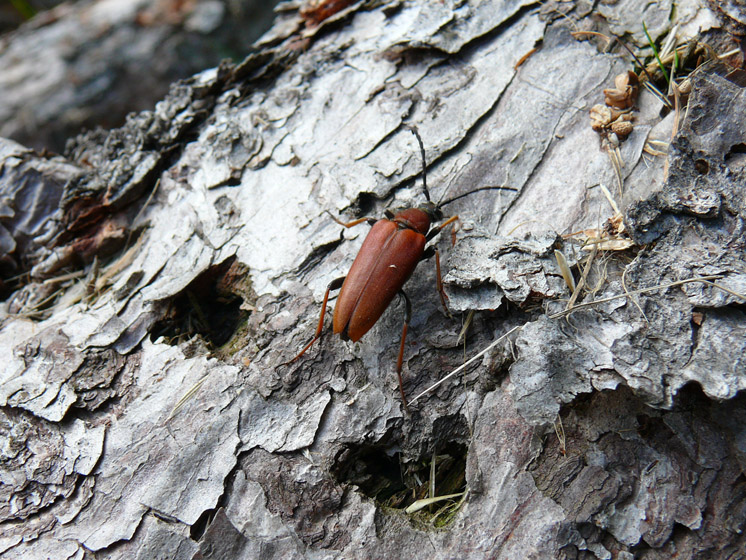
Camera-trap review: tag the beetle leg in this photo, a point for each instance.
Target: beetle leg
(429, 252)
(353, 223)
(407, 317)
(439, 284)
(436, 230)
(335, 284)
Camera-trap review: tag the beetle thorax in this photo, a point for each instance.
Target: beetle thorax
(414, 218)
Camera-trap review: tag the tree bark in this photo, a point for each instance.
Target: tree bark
(89, 63)
(147, 406)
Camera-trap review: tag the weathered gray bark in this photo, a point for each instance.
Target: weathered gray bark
(91, 62)
(145, 409)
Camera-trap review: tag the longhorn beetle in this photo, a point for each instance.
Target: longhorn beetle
(386, 260)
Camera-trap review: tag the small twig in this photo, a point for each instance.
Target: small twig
(420, 504)
(675, 127)
(610, 199)
(726, 290)
(618, 165)
(658, 93)
(626, 291)
(669, 45)
(639, 62)
(63, 277)
(188, 395)
(565, 270)
(38, 308)
(465, 328)
(729, 53)
(467, 363)
(141, 210)
(583, 278)
(559, 429)
(120, 264)
(634, 292)
(578, 34)
(432, 476)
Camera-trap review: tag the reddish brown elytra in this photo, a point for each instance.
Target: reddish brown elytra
(390, 253)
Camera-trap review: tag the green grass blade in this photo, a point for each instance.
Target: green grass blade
(655, 52)
(24, 8)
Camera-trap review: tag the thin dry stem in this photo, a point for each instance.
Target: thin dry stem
(583, 278)
(559, 429)
(640, 291)
(633, 300)
(565, 270)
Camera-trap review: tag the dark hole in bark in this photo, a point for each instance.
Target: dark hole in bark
(647, 425)
(736, 156)
(366, 203)
(702, 166)
(381, 474)
(197, 531)
(209, 307)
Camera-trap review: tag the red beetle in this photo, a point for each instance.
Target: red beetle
(390, 253)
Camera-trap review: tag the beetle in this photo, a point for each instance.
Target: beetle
(388, 257)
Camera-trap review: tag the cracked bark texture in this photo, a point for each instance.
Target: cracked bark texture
(169, 268)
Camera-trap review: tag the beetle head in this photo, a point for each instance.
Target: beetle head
(417, 219)
(432, 210)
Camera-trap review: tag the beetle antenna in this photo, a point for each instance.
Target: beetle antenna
(442, 202)
(489, 188)
(424, 163)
